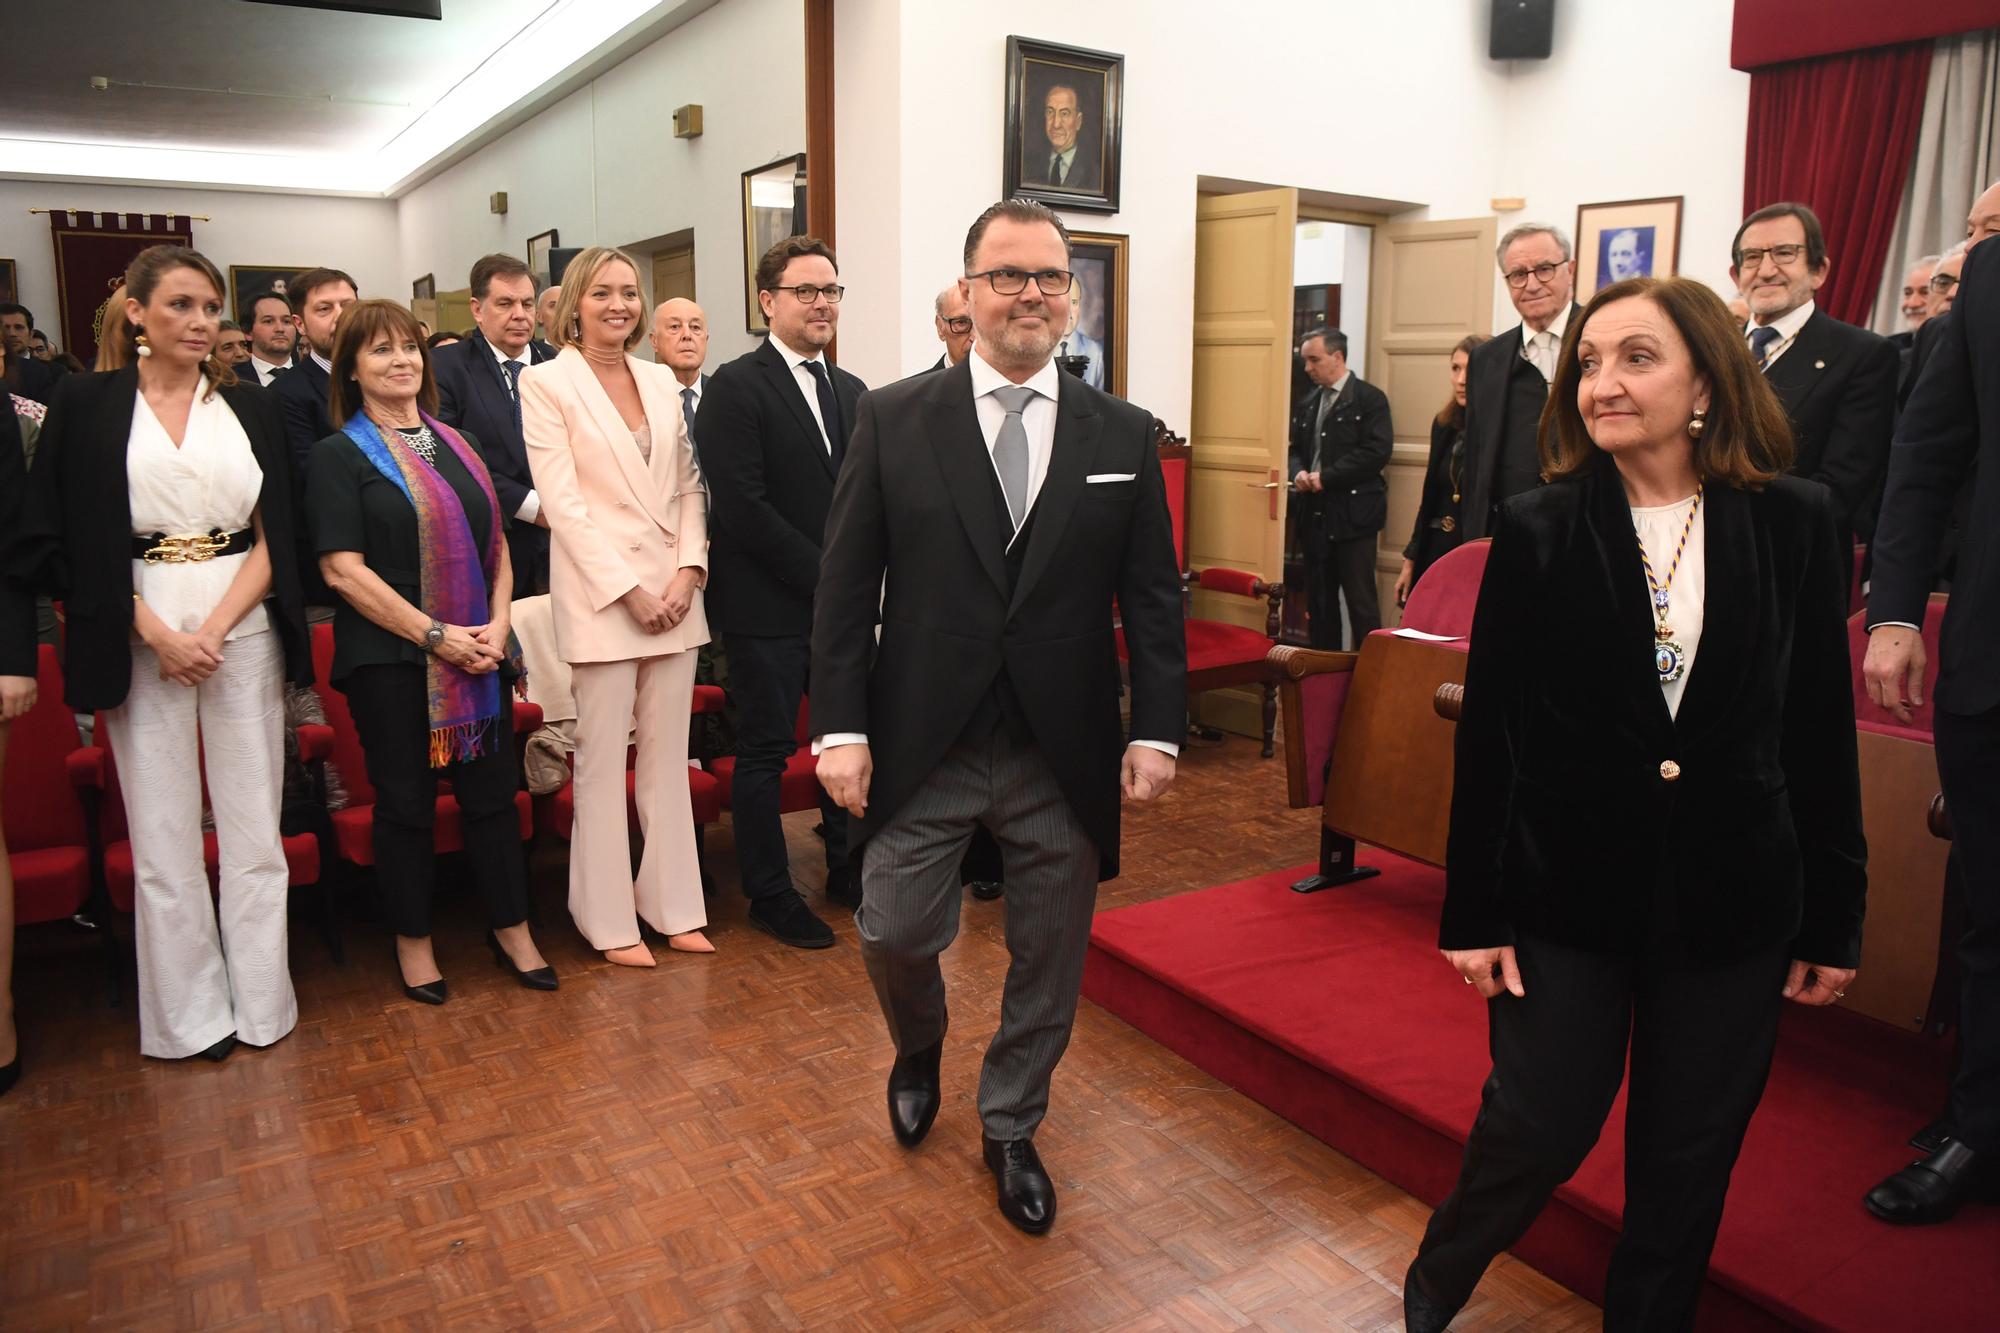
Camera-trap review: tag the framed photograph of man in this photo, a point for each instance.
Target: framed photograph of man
(539, 246)
(774, 207)
(1096, 328)
(1632, 238)
(249, 281)
(1064, 115)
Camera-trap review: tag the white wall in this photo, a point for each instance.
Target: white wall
(358, 235)
(602, 166)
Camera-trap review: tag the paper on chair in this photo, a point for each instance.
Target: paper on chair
(1427, 638)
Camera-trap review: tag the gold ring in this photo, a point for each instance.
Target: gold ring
(1840, 995)
(1467, 980)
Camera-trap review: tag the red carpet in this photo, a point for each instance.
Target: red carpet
(1335, 1011)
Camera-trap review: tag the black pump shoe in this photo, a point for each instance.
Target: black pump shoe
(539, 978)
(431, 992)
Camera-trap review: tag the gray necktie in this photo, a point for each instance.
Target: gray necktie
(1010, 450)
(1326, 397)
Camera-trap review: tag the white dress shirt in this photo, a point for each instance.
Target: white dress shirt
(323, 364)
(531, 503)
(807, 384)
(1038, 420)
(265, 370)
(211, 480)
(1659, 530)
(1788, 326)
(1542, 350)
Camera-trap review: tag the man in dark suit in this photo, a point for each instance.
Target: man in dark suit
(994, 511)
(773, 430)
(1915, 305)
(680, 343)
(267, 317)
(26, 375)
(317, 296)
(954, 326)
(1068, 159)
(1341, 441)
(1950, 427)
(1837, 382)
(1508, 377)
(478, 381)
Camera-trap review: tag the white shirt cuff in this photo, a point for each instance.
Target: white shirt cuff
(821, 744)
(531, 507)
(1167, 748)
(1899, 624)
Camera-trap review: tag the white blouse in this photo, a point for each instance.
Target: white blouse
(210, 481)
(1660, 530)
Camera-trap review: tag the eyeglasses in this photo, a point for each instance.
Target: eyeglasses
(1943, 282)
(961, 326)
(1014, 281)
(1784, 256)
(1518, 278)
(807, 293)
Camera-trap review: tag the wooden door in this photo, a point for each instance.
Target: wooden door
(1240, 419)
(673, 274)
(1430, 283)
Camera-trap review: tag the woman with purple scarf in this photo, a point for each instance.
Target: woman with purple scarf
(402, 514)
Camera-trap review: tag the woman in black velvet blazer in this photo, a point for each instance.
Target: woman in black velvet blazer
(1655, 827)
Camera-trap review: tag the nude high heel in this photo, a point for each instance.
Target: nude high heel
(690, 941)
(633, 955)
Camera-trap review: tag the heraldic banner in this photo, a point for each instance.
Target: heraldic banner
(92, 251)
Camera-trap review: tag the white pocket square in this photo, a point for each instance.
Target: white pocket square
(1096, 477)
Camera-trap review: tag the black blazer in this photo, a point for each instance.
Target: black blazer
(1486, 371)
(34, 379)
(76, 541)
(1354, 447)
(1838, 385)
(17, 599)
(916, 501)
(1428, 541)
(1920, 351)
(1949, 430)
(1564, 822)
(301, 392)
(473, 397)
(770, 481)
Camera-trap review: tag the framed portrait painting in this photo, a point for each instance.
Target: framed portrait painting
(1097, 308)
(1632, 238)
(424, 288)
(774, 207)
(539, 246)
(249, 281)
(1064, 117)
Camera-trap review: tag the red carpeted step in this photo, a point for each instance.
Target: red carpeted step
(1335, 1010)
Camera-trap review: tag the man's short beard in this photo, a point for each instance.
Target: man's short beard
(1017, 346)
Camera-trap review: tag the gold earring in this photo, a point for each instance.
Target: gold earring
(140, 344)
(1697, 426)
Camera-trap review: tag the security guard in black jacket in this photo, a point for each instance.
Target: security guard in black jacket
(1341, 441)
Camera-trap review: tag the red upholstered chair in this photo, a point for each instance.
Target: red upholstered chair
(1443, 599)
(1857, 599)
(53, 799)
(1871, 716)
(1220, 654)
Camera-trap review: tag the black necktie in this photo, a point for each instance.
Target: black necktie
(1056, 169)
(513, 369)
(829, 410)
(1761, 341)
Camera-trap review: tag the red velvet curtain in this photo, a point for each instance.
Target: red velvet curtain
(1837, 134)
(92, 251)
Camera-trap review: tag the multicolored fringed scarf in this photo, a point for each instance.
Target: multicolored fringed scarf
(464, 708)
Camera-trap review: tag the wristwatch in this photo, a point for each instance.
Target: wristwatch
(434, 636)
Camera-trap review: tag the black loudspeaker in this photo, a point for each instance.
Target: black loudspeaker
(1522, 29)
(559, 262)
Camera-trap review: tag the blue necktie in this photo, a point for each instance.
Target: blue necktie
(1761, 342)
(514, 388)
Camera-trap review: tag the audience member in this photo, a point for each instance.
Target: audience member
(545, 312)
(993, 696)
(161, 511)
(1507, 380)
(273, 334)
(442, 338)
(608, 445)
(1916, 302)
(954, 326)
(40, 347)
(406, 526)
(1666, 504)
(1983, 219)
(1437, 528)
(317, 297)
(1341, 441)
(680, 342)
(232, 346)
(1947, 442)
(479, 393)
(1837, 382)
(774, 430)
(25, 375)
(18, 667)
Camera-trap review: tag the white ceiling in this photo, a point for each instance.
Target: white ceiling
(232, 93)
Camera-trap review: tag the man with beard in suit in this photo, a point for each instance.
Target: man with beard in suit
(317, 296)
(1341, 441)
(1507, 380)
(993, 512)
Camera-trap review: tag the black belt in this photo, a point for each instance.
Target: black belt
(191, 548)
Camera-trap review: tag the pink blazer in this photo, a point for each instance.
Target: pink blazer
(619, 522)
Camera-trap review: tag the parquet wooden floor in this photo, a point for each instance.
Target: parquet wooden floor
(701, 1145)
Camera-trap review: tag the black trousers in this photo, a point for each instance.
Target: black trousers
(1342, 569)
(1968, 755)
(391, 717)
(768, 676)
(1700, 1043)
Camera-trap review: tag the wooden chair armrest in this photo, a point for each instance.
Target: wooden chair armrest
(1939, 818)
(1296, 663)
(1449, 700)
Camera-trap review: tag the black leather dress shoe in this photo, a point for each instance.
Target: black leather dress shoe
(535, 978)
(914, 1094)
(786, 918)
(1422, 1312)
(986, 890)
(431, 992)
(843, 887)
(1027, 1195)
(1936, 1187)
(220, 1051)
